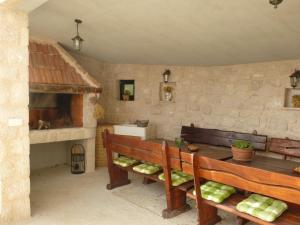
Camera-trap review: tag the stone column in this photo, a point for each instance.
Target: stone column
(14, 131)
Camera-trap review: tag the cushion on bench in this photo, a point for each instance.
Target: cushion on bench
(124, 161)
(216, 192)
(147, 168)
(262, 207)
(177, 177)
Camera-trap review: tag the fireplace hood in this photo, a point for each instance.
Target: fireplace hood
(53, 70)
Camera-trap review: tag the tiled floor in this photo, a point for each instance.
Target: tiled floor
(60, 198)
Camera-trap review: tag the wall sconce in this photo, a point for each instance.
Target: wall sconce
(294, 78)
(166, 75)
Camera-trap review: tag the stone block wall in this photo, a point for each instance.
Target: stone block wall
(238, 97)
(14, 140)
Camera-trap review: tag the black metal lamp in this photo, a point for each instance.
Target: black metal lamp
(77, 40)
(294, 78)
(166, 75)
(77, 159)
(275, 3)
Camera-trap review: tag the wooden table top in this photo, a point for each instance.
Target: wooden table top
(271, 164)
(210, 151)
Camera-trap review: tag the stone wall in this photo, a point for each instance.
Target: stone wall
(238, 97)
(14, 140)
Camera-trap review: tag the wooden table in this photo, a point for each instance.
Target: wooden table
(211, 151)
(271, 164)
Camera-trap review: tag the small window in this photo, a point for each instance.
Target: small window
(127, 90)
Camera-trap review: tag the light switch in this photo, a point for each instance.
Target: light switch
(15, 122)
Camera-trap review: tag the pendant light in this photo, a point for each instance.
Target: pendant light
(77, 40)
(275, 3)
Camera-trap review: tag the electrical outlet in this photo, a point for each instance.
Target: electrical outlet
(15, 122)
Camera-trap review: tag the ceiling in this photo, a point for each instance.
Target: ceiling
(175, 32)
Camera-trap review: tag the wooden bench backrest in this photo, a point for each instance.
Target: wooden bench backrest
(135, 147)
(285, 147)
(221, 138)
(276, 185)
(149, 151)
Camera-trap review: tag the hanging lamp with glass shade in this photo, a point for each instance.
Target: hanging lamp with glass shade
(77, 40)
(275, 3)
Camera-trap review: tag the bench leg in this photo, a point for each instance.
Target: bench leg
(176, 203)
(207, 214)
(118, 177)
(148, 181)
(240, 221)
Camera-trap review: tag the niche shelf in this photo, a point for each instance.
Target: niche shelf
(288, 98)
(162, 96)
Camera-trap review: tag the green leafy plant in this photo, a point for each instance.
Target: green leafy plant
(127, 92)
(179, 142)
(168, 89)
(242, 144)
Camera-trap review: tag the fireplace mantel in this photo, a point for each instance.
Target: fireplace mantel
(58, 135)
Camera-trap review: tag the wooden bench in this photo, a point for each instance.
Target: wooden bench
(223, 138)
(153, 152)
(285, 147)
(258, 176)
(212, 141)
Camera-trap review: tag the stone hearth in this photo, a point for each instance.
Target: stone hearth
(53, 72)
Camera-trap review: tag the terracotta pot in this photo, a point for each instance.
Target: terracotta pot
(244, 155)
(126, 97)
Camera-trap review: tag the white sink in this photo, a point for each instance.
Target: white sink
(134, 130)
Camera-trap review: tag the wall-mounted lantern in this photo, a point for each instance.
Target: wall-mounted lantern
(294, 78)
(166, 75)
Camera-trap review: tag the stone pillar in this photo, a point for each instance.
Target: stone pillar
(89, 145)
(14, 131)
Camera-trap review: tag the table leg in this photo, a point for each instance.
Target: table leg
(148, 181)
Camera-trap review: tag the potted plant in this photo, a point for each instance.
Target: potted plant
(242, 150)
(168, 93)
(126, 95)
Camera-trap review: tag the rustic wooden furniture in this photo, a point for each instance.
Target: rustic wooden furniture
(285, 147)
(214, 143)
(100, 153)
(267, 176)
(153, 152)
(217, 137)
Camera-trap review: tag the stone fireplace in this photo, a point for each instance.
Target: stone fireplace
(58, 110)
(59, 106)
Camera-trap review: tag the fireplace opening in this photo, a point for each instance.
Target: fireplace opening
(53, 111)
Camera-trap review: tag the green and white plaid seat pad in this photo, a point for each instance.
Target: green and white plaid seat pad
(215, 192)
(147, 168)
(262, 207)
(124, 161)
(178, 177)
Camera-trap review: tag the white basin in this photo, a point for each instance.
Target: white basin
(134, 130)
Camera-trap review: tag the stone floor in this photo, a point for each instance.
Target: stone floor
(60, 198)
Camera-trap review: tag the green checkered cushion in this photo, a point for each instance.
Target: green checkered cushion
(216, 192)
(124, 161)
(177, 177)
(262, 207)
(147, 168)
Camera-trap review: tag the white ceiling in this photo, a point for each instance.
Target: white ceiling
(179, 32)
